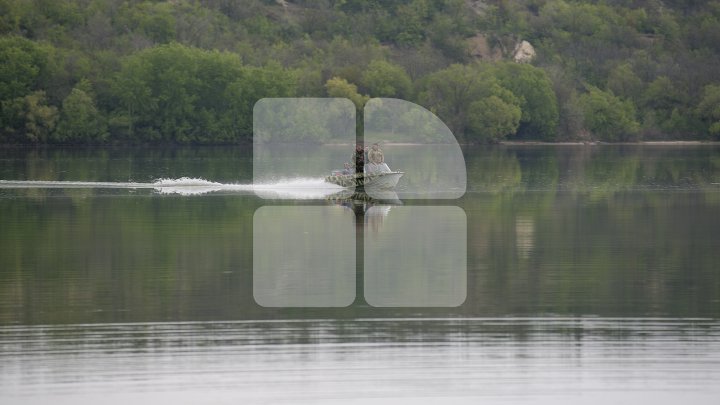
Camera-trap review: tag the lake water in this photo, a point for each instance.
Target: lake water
(570, 274)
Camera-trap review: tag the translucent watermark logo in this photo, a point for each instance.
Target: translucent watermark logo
(310, 255)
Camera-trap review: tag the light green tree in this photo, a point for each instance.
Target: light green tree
(410, 20)
(449, 93)
(608, 117)
(384, 79)
(24, 69)
(662, 95)
(19, 67)
(80, 121)
(339, 87)
(532, 86)
(709, 108)
(462, 96)
(623, 82)
(30, 118)
(185, 94)
(492, 118)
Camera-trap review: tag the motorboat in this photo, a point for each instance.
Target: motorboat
(384, 197)
(372, 181)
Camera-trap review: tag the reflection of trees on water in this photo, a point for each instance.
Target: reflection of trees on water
(370, 211)
(221, 164)
(564, 230)
(525, 236)
(596, 171)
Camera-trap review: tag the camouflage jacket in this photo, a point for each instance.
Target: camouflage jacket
(376, 156)
(357, 158)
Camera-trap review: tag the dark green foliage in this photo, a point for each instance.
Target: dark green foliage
(383, 79)
(190, 71)
(80, 121)
(181, 94)
(339, 87)
(493, 118)
(28, 119)
(472, 102)
(608, 117)
(25, 115)
(709, 109)
(538, 103)
(23, 63)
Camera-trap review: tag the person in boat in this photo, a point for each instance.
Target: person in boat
(347, 169)
(377, 160)
(375, 154)
(358, 159)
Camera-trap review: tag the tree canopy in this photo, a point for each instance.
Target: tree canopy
(188, 71)
(608, 117)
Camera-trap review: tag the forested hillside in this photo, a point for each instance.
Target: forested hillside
(184, 71)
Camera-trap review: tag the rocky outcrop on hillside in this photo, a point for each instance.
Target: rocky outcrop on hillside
(486, 48)
(524, 52)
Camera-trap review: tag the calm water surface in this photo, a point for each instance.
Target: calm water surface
(592, 277)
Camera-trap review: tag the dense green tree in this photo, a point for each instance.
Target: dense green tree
(80, 121)
(461, 96)
(383, 79)
(28, 118)
(709, 109)
(154, 20)
(236, 103)
(25, 115)
(18, 71)
(492, 118)
(447, 32)
(663, 104)
(623, 82)
(349, 59)
(449, 93)
(662, 95)
(23, 66)
(339, 87)
(532, 86)
(570, 115)
(608, 117)
(40, 118)
(411, 18)
(183, 94)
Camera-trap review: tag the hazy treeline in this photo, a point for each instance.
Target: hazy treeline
(96, 71)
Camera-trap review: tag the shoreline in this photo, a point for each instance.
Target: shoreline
(564, 143)
(600, 143)
(245, 145)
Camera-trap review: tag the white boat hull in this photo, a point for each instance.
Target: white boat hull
(374, 181)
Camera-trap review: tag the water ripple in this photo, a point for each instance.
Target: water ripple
(536, 360)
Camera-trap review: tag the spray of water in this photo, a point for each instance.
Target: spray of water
(294, 188)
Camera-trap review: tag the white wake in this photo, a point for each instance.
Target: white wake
(295, 188)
